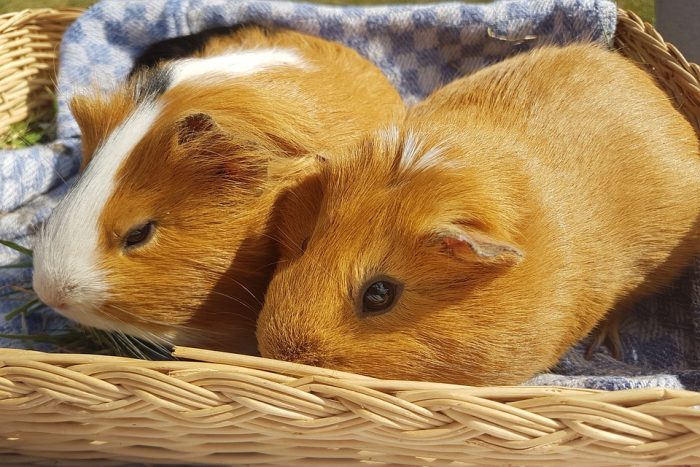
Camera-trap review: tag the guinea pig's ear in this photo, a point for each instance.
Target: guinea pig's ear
(204, 141)
(471, 244)
(192, 126)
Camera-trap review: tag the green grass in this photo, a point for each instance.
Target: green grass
(644, 8)
(7, 6)
(24, 134)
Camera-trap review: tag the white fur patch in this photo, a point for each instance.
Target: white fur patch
(411, 146)
(67, 271)
(414, 157)
(430, 158)
(390, 135)
(239, 63)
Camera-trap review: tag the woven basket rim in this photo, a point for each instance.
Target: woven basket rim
(185, 357)
(409, 420)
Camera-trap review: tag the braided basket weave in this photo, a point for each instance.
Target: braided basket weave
(218, 408)
(29, 41)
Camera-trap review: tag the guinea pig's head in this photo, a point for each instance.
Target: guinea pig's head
(164, 236)
(391, 255)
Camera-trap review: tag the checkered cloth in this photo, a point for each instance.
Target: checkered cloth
(419, 48)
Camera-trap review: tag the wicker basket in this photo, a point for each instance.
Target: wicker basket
(28, 49)
(233, 409)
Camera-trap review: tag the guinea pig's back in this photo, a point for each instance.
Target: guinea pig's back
(332, 85)
(613, 168)
(350, 93)
(613, 141)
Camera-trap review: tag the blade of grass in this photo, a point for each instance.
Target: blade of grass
(43, 338)
(16, 247)
(10, 293)
(37, 306)
(17, 289)
(21, 309)
(17, 266)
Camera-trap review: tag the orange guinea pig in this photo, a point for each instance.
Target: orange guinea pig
(165, 234)
(491, 229)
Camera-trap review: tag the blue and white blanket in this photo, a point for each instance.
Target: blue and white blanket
(419, 48)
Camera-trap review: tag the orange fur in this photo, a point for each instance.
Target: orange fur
(567, 185)
(208, 173)
(97, 117)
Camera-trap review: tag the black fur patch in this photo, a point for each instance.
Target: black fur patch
(150, 83)
(182, 47)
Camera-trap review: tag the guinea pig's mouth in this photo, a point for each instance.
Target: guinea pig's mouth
(64, 305)
(85, 317)
(160, 333)
(94, 317)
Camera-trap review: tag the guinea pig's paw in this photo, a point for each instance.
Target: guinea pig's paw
(607, 334)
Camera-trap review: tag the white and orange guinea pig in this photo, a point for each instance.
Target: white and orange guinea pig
(165, 234)
(481, 237)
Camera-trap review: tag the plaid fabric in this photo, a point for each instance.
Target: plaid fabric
(419, 48)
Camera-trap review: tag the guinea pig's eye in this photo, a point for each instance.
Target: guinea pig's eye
(139, 235)
(380, 296)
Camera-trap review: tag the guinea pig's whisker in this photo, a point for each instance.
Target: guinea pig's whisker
(161, 344)
(118, 343)
(275, 263)
(183, 329)
(257, 300)
(129, 344)
(112, 341)
(240, 302)
(179, 327)
(145, 347)
(63, 180)
(150, 341)
(204, 267)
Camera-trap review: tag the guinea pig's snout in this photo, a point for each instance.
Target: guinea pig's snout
(65, 277)
(70, 297)
(300, 350)
(55, 286)
(53, 292)
(304, 351)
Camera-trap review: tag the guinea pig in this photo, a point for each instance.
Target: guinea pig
(475, 241)
(165, 234)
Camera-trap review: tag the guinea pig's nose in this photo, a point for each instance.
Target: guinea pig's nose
(304, 351)
(49, 291)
